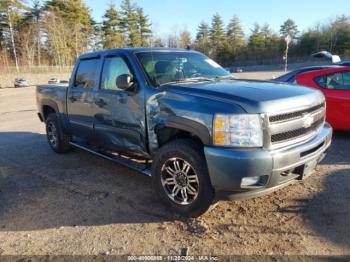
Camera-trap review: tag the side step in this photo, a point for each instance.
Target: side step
(143, 168)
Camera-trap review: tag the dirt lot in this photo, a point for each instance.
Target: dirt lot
(7, 80)
(258, 75)
(81, 204)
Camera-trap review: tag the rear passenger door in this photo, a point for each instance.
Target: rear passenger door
(80, 97)
(119, 121)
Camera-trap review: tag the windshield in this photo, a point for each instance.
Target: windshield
(173, 67)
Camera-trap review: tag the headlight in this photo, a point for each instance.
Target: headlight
(241, 130)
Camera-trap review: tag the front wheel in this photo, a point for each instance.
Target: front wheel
(180, 178)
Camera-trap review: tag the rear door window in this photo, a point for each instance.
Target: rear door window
(321, 81)
(346, 80)
(336, 81)
(87, 73)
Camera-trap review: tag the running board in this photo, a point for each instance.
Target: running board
(143, 168)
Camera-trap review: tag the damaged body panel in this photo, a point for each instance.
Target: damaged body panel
(173, 109)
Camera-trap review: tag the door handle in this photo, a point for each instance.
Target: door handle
(123, 97)
(73, 98)
(100, 103)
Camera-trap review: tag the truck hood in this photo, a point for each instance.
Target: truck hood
(253, 96)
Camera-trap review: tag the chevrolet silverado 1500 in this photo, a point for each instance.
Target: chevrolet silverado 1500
(179, 117)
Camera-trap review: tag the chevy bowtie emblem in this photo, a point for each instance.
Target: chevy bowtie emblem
(307, 120)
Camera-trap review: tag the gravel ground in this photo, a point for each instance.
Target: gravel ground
(258, 75)
(80, 204)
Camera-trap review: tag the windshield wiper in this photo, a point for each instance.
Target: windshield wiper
(227, 77)
(192, 79)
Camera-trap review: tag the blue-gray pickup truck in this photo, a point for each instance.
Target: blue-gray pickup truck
(179, 117)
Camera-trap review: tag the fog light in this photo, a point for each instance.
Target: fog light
(250, 181)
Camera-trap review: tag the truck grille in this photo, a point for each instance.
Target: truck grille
(294, 115)
(287, 128)
(295, 133)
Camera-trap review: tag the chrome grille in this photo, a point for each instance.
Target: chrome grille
(290, 127)
(294, 115)
(295, 133)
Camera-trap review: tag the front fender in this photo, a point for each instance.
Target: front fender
(185, 112)
(190, 126)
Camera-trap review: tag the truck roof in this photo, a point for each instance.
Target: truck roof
(132, 50)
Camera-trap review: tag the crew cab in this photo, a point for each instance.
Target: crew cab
(179, 117)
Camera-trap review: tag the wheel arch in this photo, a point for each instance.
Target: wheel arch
(49, 107)
(178, 127)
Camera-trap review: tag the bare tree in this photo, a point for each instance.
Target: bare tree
(185, 39)
(57, 35)
(27, 44)
(9, 10)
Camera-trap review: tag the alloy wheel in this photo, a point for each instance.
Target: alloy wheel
(180, 181)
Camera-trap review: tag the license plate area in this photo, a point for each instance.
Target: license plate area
(306, 170)
(309, 168)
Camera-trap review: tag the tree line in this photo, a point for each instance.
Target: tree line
(229, 45)
(56, 32)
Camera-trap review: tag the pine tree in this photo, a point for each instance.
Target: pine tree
(129, 23)
(217, 39)
(202, 31)
(263, 43)
(235, 36)
(216, 32)
(289, 27)
(202, 38)
(112, 35)
(76, 17)
(144, 27)
(73, 11)
(256, 42)
(234, 32)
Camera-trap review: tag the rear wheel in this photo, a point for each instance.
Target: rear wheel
(181, 179)
(58, 140)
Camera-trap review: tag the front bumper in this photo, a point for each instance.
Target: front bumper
(227, 167)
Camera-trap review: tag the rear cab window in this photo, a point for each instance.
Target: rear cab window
(87, 73)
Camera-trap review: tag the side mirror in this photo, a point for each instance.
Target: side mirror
(125, 82)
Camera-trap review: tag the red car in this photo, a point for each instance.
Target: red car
(334, 83)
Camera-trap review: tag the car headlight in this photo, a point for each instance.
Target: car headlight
(237, 130)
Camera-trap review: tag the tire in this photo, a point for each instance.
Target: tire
(180, 166)
(57, 139)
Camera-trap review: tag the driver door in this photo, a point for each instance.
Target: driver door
(119, 119)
